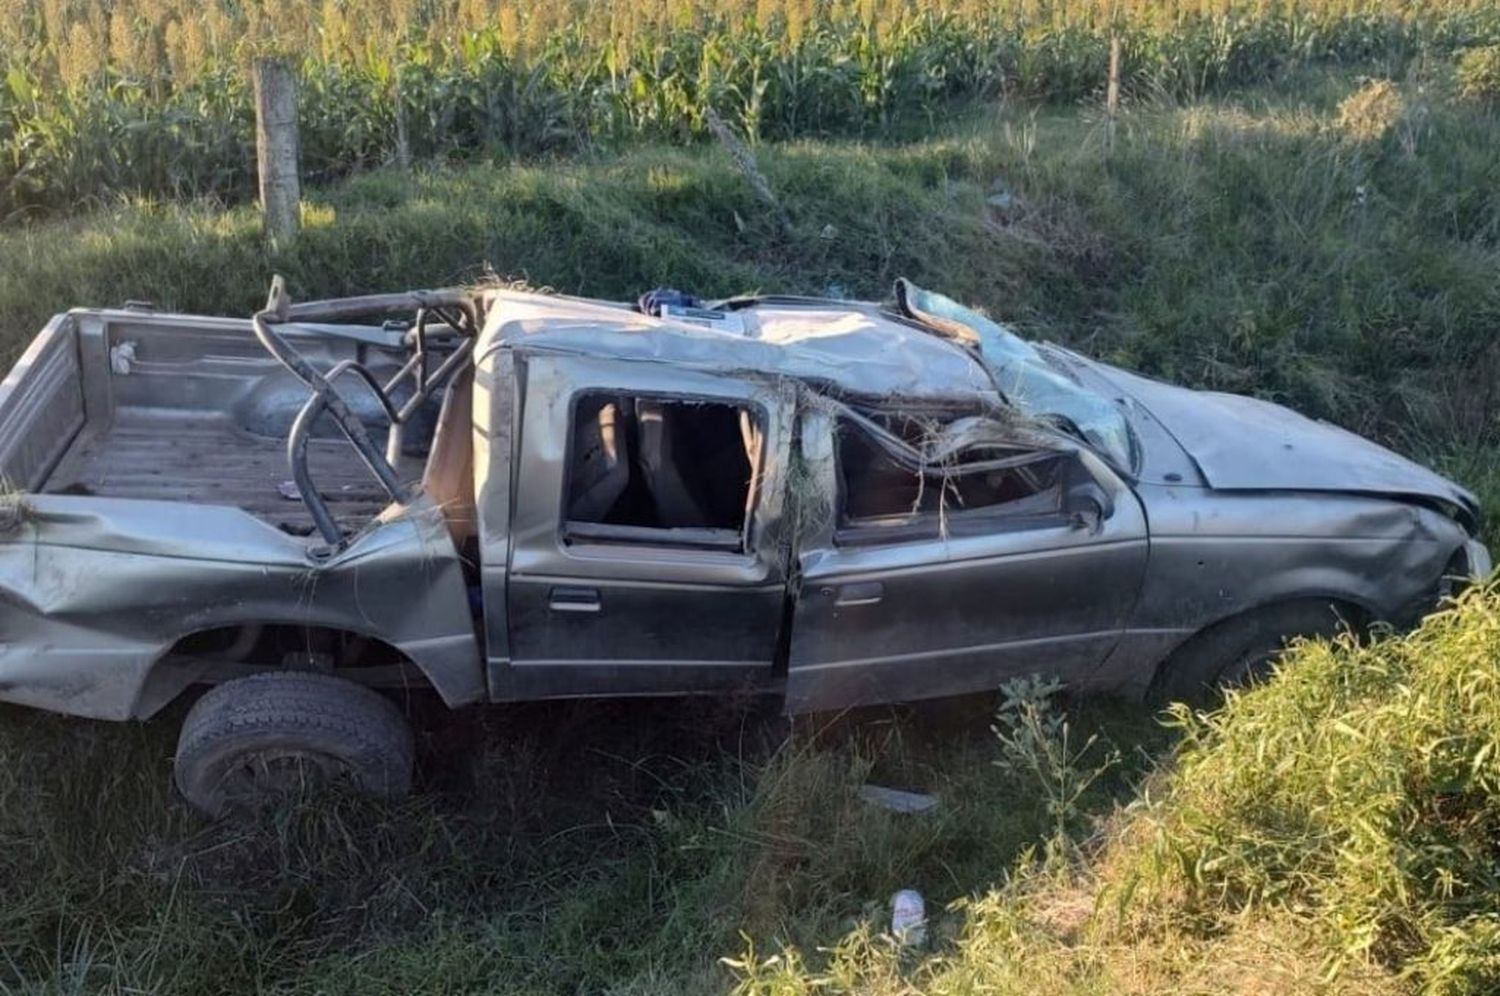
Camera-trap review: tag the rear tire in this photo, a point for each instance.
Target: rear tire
(253, 741)
(1242, 650)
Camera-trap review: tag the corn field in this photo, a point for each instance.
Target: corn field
(102, 98)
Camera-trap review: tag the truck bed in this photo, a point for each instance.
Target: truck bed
(181, 408)
(169, 456)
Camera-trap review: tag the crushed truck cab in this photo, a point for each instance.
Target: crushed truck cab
(504, 496)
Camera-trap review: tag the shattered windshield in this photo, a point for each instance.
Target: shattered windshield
(1028, 382)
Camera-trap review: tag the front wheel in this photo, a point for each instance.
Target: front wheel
(254, 740)
(1242, 651)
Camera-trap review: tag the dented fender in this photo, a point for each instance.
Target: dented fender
(1215, 555)
(94, 591)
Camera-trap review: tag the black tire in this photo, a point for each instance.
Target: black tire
(1242, 650)
(255, 740)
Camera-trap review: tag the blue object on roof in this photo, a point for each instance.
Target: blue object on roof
(652, 301)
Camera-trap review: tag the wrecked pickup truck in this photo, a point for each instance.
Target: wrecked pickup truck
(504, 496)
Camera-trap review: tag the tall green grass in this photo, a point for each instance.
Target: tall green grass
(99, 98)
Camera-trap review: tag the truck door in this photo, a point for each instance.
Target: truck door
(647, 552)
(919, 585)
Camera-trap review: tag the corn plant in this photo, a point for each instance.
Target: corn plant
(128, 97)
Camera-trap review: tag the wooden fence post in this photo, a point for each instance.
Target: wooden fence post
(749, 168)
(1112, 90)
(403, 142)
(276, 147)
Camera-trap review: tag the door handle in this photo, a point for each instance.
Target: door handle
(860, 593)
(573, 600)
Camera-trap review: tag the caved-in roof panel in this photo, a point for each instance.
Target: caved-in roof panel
(850, 347)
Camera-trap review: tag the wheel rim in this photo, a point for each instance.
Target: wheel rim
(272, 776)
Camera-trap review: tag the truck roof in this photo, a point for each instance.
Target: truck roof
(847, 347)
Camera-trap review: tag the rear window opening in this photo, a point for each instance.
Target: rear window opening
(659, 470)
(983, 487)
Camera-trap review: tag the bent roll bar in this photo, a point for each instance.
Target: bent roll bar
(453, 307)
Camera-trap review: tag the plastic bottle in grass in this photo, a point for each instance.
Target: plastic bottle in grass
(909, 918)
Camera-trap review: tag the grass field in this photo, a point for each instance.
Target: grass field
(1319, 239)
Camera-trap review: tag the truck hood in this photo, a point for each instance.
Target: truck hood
(1245, 444)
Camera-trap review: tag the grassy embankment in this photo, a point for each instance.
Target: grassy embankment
(1345, 262)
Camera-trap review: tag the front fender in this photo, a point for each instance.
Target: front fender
(1214, 556)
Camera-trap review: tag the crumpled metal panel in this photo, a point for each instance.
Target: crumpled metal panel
(1245, 444)
(845, 345)
(95, 590)
(1218, 554)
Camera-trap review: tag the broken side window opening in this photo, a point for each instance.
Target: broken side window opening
(919, 479)
(661, 470)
